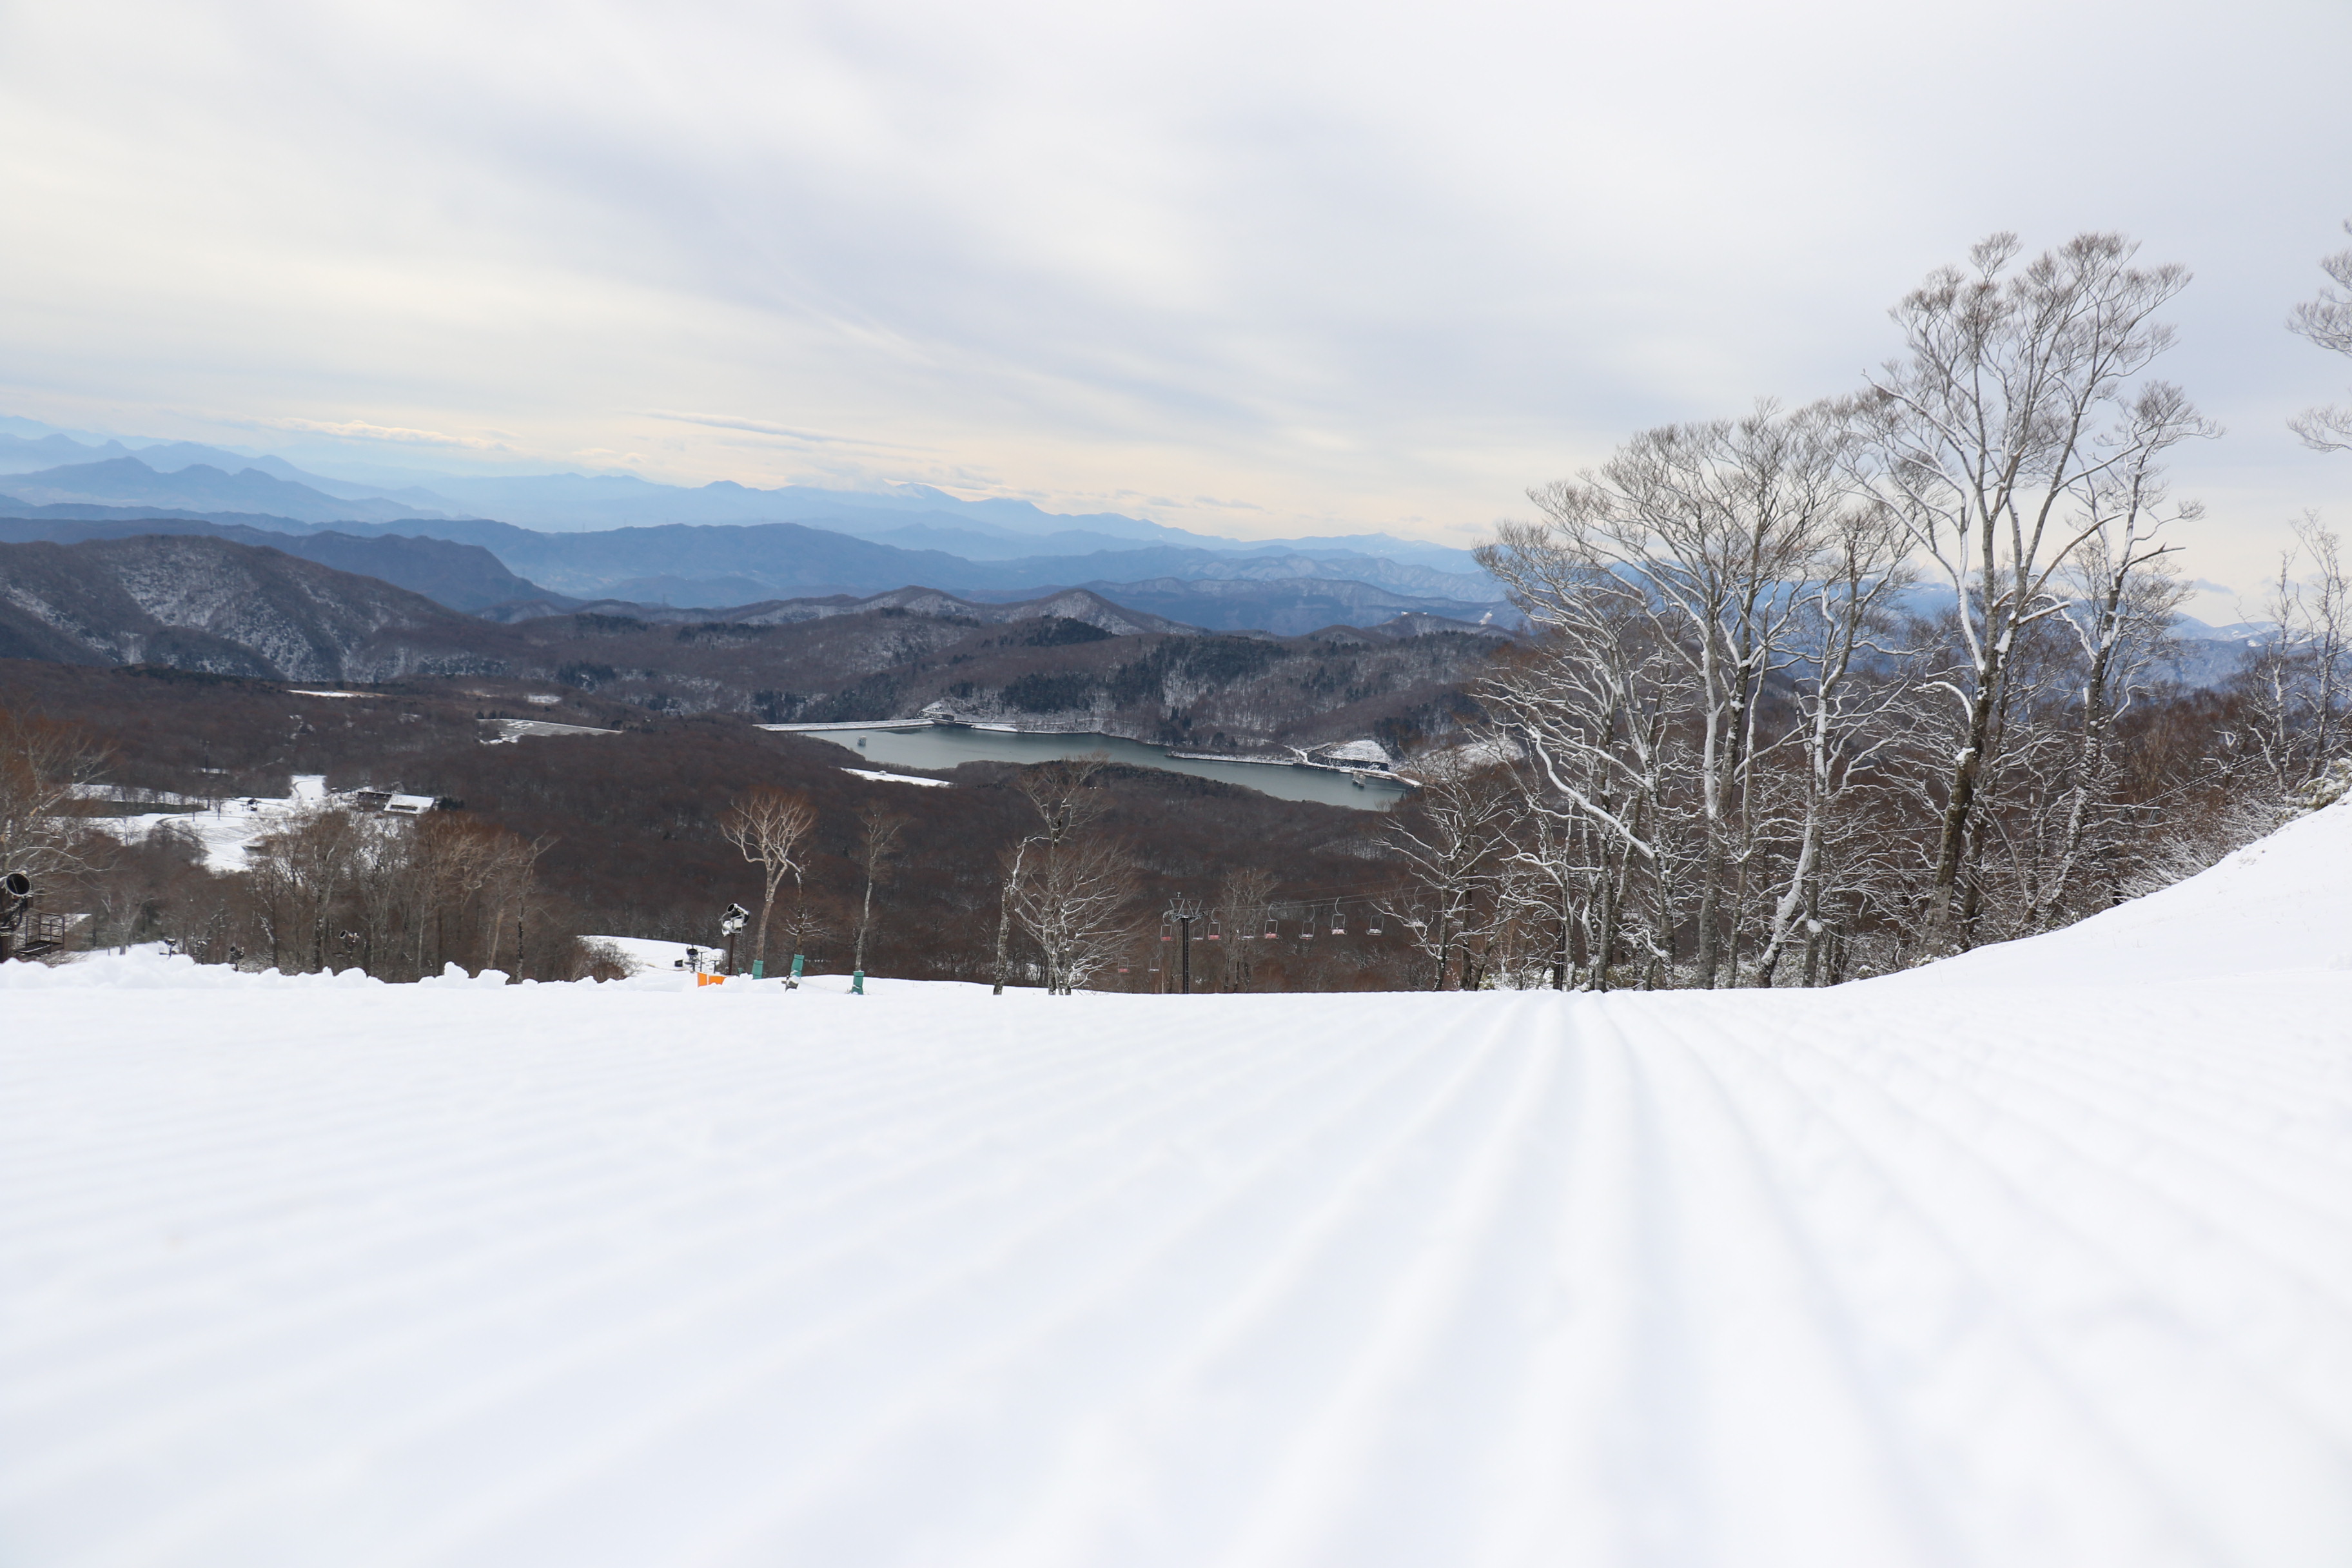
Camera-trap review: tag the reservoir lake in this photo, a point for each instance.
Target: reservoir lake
(941, 746)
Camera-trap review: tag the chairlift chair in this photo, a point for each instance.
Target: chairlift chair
(1272, 928)
(1167, 928)
(1216, 930)
(1339, 920)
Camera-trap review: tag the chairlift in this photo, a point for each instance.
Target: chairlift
(1216, 930)
(1372, 924)
(1272, 928)
(1167, 928)
(1339, 921)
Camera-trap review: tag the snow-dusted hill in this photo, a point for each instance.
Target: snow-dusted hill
(2043, 1263)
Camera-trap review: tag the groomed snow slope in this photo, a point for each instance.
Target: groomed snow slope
(326, 1272)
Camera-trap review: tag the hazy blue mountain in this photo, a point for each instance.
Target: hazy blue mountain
(1067, 605)
(725, 544)
(713, 564)
(83, 511)
(567, 502)
(956, 536)
(28, 455)
(573, 502)
(716, 566)
(1438, 569)
(1285, 606)
(198, 488)
(171, 457)
(25, 454)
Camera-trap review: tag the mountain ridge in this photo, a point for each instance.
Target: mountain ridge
(560, 500)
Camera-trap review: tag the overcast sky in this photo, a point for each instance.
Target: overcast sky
(1251, 268)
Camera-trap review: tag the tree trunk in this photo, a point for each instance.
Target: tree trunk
(1004, 917)
(864, 920)
(1942, 917)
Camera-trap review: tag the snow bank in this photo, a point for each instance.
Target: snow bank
(2281, 905)
(148, 969)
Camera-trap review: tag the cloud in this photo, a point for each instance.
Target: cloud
(359, 430)
(1348, 269)
(769, 427)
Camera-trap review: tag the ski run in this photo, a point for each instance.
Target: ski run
(2042, 1256)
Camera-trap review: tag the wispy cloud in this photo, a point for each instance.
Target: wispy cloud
(770, 427)
(359, 430)
(1074, 252)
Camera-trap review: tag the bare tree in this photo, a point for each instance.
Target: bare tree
(1074, 898)
(396, 896)
(1240, 911)
(2122, 599)
(1593, 701)
(1064, 794)
(2327, 321)
(2295, 687)
(1846, 608)
(1992, 440)
(878, 834)
(298, 875)
(43, 763)
(512, 865)
(1702, 530)
(1547, 878)
(811, 918)
(1452, 838)
(770, 827)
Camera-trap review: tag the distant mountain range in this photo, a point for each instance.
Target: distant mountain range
(1286, 592)
(559, 537)
(129, 482)
(565, 503)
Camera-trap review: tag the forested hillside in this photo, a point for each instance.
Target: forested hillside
(1074, 662)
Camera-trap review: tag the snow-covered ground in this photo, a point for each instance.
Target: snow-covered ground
(880, 777)
(652, 954)
(2043, 1258)
(228, 827)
